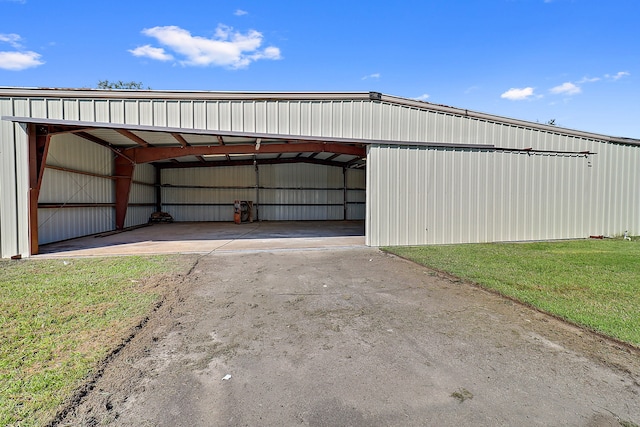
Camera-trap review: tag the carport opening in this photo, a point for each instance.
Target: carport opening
(299, 188)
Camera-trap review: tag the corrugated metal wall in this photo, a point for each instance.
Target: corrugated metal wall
(142, 196)
(75, 183)
(286, 192)
(77, 197)
(433, 196)
(205, 194)
(14, 213)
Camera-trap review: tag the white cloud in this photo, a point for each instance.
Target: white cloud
(17, 61)
(589, 80)
(228, 48)
(567, 88)
(372, 76)
(12, 39)
(149, 51)
(618, 75)
(515, 94)
(240, 12)
(423, 97)
(268, 53)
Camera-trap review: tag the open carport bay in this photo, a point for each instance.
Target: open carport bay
(204, 237)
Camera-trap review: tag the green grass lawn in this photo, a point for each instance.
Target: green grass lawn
(59, 319)
(593, 283)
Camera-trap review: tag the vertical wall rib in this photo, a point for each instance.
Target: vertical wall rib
(436, 196)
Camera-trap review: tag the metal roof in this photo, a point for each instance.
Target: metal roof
(320, 96)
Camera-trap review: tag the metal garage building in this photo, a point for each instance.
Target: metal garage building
(78, 162)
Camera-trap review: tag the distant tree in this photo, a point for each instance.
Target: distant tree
(106, 84)
(551, 122)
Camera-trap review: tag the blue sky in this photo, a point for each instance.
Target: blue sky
(575, 61)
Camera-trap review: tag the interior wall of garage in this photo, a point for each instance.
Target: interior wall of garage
(142, 196)
(282, 192)
(77, 197)
(419, 195)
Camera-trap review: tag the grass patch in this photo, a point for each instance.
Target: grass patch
(58, 319)
(593, 283)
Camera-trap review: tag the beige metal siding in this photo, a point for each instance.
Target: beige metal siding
(14, 235)
(356, 194)
(339, 118)
(206, 194)
(76, 184)
(301, 192)
(142, 196)
(287, 192)
(436, 196)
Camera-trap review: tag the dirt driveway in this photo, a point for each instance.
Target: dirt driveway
(354, 337)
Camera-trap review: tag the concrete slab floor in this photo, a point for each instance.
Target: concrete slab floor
(205, 237)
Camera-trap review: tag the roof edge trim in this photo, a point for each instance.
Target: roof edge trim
(180, 94)
(306, 138)
(423, 105)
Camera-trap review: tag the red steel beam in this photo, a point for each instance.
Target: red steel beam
(153, 154)
(123, 175)
(218, 163)
(39, 140)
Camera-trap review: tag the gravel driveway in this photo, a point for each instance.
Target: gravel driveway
(355, 337)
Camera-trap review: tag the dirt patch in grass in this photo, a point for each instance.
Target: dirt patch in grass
(62, 319)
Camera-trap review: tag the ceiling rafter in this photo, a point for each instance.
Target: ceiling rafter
(221, 142)
(132, 136)
(355, 161)
(103, 143)
(180, 139)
